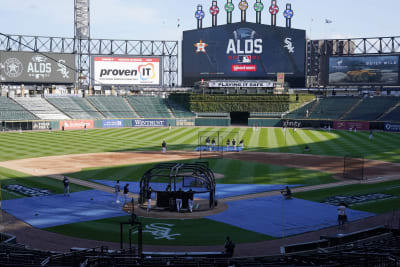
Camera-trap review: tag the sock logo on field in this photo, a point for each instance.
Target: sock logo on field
(159, 231)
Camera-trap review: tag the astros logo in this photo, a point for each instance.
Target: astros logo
(201, 47)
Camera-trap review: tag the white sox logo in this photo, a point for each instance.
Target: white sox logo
(159, 231)
(289, 45)
(63, 68)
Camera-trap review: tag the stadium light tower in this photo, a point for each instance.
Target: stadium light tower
(82, 36)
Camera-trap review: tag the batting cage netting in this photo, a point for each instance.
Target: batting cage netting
(353, 168)
(215, 143)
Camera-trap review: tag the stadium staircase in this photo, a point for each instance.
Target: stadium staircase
(393, 114)
(111, 106)
(41, 108)
(351, 109)
(10, 110)
(75, 107)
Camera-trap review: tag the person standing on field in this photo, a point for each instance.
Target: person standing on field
(164, 146)
(66, 186)
(126, 191)
(117, 189)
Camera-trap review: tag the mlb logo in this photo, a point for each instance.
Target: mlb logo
(244, 59)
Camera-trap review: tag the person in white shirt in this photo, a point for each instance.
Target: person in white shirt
(342, 217)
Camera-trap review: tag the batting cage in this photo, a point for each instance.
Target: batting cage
(353, 167)
(171, 181)
(215, 143)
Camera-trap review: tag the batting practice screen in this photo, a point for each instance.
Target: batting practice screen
(243, 50)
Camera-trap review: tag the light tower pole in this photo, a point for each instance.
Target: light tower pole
(229, 7)
(82, 37)
(243, 5)
(258, 7)
(199, 16)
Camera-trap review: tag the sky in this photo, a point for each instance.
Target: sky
(166, 19)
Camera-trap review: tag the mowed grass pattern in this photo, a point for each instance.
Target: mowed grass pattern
(234, 171)
(384, 146)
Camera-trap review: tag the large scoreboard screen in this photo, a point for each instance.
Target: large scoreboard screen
(244, 51)
(364, 70)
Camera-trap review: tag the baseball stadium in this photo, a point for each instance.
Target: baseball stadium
(242, 144)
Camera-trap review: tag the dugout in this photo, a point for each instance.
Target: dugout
(166, 179)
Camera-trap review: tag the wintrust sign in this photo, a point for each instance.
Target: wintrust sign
(127, 70)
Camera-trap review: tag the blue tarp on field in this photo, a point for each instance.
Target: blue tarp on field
(54, 210)
(277, 217)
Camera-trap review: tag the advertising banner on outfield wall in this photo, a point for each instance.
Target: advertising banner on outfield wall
(292, 123)
(40, 125)
(392, 127)
(76, 125)
(112, 123)
(149, 123)
(184, 122)
(28, 67)
(127, 70)
(346, 125)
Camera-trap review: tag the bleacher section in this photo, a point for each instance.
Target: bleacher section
(179, 111)
(112, 106)
(354, 249)
(371, 108)
(332, 108)
(41, 108)
(12, 111)
(75, 107)
(301, 113)
(149, 106)
(394, 115)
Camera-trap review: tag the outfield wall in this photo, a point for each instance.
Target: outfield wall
(188, 122)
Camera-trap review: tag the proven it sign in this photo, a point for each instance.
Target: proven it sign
(127, 70)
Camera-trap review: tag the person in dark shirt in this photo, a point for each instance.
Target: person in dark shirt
(229, 247)
(126, 191)
(190, 199)
(286, 193)
(234, 144)
(164, 146)
(228, 144)
(179, 196)
(66, 186)
(213, 143)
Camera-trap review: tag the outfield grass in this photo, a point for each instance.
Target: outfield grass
(380, 206)
(234, 171)
(384, 146)
(193, 232)
(8, 177)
